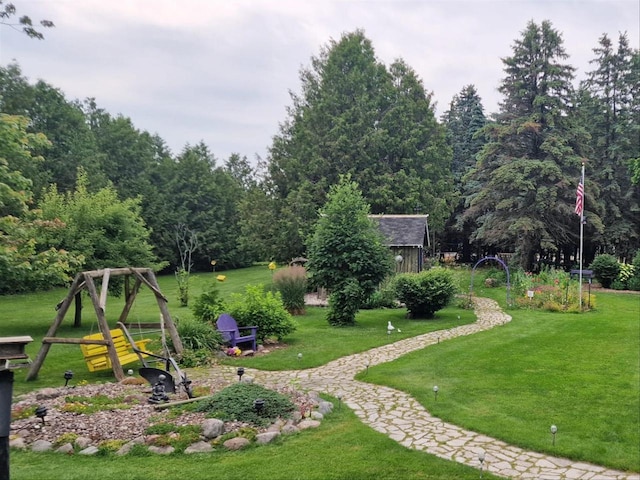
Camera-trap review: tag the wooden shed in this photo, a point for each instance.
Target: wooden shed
(407, 237)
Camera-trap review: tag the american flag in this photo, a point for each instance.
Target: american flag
(579, 199)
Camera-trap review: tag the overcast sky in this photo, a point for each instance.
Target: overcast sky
(221, 71)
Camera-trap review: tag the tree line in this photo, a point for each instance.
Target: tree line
(82, 188)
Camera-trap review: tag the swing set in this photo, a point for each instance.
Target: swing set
(112, 348)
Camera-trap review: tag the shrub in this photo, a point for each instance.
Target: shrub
(634, 284)
(197, 335)
(627, 272)
(426, 292)
(209, 305)
(291, 282)
(262, 309)
(618, 285)
(236, 403)
(605, 268)
(195, 358)
(496, 277)
(344, 303)
(383, 297)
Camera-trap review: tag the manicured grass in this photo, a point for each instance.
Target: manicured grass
(319, 343)
(33, 314)
(577, 371)
(342, 448)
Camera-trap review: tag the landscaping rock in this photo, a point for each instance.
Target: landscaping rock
(47, 393)
(83, 442)
(125, 449)
(316, 415)
(325, 407)
(303, 425)
(17, 443)
(199, 447)
(212, 428)
(41, 446)
(236, 443)
(66, 448)
(266, 437)
(151, 439)
(90, 450)
(289, 428)
(168, 450)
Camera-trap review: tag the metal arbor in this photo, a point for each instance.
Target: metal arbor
(85, 280)
(506, 269)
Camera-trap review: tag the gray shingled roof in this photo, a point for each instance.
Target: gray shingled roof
(403, 230)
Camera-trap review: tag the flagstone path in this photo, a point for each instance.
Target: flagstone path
(403, 419)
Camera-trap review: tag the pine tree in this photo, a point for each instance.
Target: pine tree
(529, 168)
(612, 114)
(464, 121)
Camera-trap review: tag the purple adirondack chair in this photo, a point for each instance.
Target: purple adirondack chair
(228, 327)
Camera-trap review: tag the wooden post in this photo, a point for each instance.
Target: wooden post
(77, 319)
(104, 328)
(131, 297)
(166, 316)
(44, 349)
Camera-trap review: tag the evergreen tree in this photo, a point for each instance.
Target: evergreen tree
(354, 116)
(347, 253)
(464, 121)
(611, 109)
(529, 168)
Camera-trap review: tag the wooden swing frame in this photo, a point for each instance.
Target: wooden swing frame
(85, 280)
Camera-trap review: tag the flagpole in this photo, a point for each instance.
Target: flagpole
(581, 240)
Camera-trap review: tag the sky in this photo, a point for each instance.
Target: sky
(221, 71)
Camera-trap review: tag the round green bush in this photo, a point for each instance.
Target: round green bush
(426, 292)
(605, 268)
(262, 309)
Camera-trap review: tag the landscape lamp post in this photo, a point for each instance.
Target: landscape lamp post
(258, 404)
(481, 459)
(554, 430)
(240, 372)
(68, 375)
(435, 392)
(41, 412)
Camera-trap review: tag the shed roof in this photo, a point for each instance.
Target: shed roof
(403, 230)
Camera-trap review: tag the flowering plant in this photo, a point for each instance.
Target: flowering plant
(234, 351)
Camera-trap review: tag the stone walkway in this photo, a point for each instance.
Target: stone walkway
(403, 419)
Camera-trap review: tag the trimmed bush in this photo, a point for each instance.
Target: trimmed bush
(605, 268)
(426, 292)
(291, 282)
(262, 309)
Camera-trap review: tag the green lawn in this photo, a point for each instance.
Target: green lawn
(342, 448)
(578, 371)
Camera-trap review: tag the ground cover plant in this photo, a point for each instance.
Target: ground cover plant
(577, 371)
